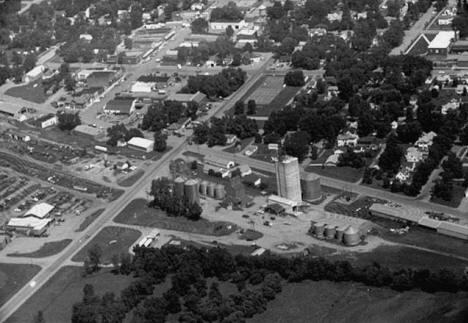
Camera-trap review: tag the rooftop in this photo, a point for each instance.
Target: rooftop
(442, 40)
(40, 210)
(140, 142)
(398, 211)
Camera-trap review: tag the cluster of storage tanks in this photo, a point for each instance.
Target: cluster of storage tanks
(212, 190)
(192, 188)
(346, 234)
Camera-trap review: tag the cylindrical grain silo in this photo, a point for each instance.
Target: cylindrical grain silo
(310, 185)
(210, 189)
(340, 232)
(203, 187)
(330, 231)
(351, 236)
(179, 187)
(219, 192)
(319, 229)
(191, 191)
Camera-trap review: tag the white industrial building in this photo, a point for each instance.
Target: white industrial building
(142, 87)
(29, 225)
(40, 211)
(34, 74)
(142, 144)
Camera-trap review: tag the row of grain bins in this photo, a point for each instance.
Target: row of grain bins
(192, 188)
(339, 228)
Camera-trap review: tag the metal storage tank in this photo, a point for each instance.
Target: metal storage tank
(210, 189)
(330, 231)
(310, 185)
(191, 191)
(219, 192)
(203, 187)
(179, 186)
(319, 229)
(351, 236)
(340, 232)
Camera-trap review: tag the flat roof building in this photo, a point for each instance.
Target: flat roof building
(287, 204)
(87, 130)
(29, 225)
(142, 144)
(197, 97)
(397, 212)
(442, 43)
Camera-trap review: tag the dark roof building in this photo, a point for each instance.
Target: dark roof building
(120, 106)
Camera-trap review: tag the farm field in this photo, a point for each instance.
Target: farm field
(112, 241)
(46, 250)
(325, 301)
(137, 213)
(33, 92)
(13, 277)
(347, 174)
(65, 288)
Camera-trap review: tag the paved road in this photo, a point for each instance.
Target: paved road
(28, 4)
(336, 183)
(414, 32)
(112, 210)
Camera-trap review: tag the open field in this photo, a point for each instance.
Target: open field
(347, 174)
(266, 91)
(279, 101)
(46, 250)
(131, 179)
(112, 241)
(33, 92)
(89, 219)
(57, 296)
(325, 301)
(137, 213)
(13, 277)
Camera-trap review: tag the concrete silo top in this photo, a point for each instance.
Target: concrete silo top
(351, 230)
(191, 182)
(179, 180)
(306, 176)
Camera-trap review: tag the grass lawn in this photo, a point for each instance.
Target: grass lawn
(138, 213)
(279, 102)
(128, 181)
(325, 301)
(322, 156)
(347, 174)
(250, 235)
(13, 277)
(89, 219)
(263, 153)
(458, 193)
(112, 240)
(33, 92)
(65, 288)
(46, 250)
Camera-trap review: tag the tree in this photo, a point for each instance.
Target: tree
(136, 15)
(239, 107)
(443, 189)
(391, 157)
(160, 144)
(29, 62)
(68, 121)
(229, 12)
(70, 83)
(94, 257)
(199, 26)
(297, 144)
(128, 43)
(39, 318)
(294, 78)
(229, 31)
(345, 87)
(251, 107)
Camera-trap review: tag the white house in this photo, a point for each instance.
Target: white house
(34, 74)
(49, 122)
(86, 37)
(220, 26)
(347, 139)
(425, 141)
(414, 155)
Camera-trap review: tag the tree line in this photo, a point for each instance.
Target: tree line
(219, 85)
(258, 281)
